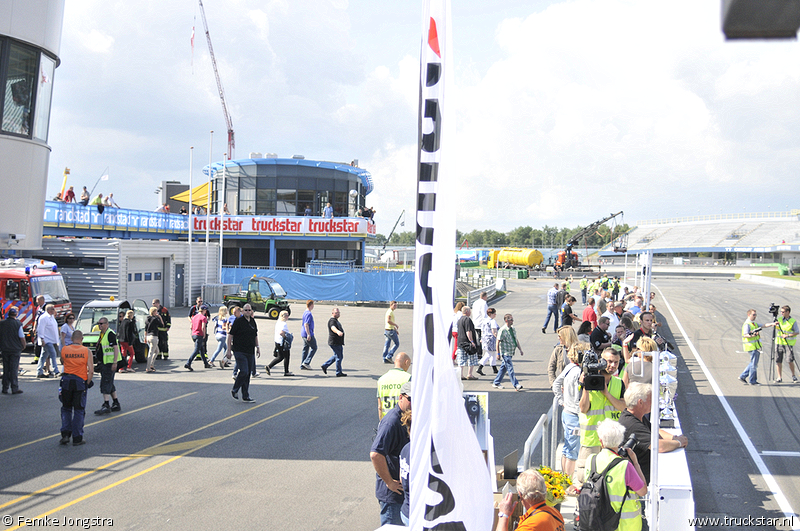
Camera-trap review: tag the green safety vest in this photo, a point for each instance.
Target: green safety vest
(108, 350)
(750, 343)
(583, 284)
(786, 327)
(389, 389)
(600, 408)
(630, 519)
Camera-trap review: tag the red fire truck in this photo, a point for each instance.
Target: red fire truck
(24, 279)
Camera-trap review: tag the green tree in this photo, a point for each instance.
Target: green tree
(521, 236)
(403, 238)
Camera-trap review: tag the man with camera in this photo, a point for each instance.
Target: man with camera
(638, 400)
(600, 338)
(751, 341)
(785, 338)
(601, 398)
(623, 479)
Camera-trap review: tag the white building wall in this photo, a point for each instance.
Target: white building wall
(23, 172)
(87, 284)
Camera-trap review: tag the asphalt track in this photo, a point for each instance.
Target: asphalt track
(183, 454)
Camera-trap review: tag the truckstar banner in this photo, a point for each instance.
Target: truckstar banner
(450, 483)
(286, 225)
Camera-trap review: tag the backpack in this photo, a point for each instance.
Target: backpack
(594, 505)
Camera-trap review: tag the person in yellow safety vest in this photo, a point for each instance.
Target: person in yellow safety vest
(596, 406)
(751, 342)
(109, 356)
(618, 479)
(390, 383)
(583, 285)
(785, 338)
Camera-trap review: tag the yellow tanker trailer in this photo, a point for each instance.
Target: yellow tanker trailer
(515, 258)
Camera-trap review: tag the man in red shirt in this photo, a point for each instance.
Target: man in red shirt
(589, 314)
(199, 324)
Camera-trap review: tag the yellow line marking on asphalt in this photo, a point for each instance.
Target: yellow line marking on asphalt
(113, 417)
(194, 447)
(179, 447)
(64, 482)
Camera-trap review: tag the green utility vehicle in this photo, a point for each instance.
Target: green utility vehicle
(93, 311)
(263, 294)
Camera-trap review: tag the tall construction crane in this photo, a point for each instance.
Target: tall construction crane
(228, 121)
(568, 259)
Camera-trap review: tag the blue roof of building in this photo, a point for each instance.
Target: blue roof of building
(364, 175)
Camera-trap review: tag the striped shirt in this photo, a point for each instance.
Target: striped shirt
(507, 341)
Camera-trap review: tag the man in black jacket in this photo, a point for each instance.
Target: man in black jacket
(12, 342)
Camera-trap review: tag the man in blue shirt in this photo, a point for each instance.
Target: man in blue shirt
(327, 213)
(309, 340)
(552, 308)
(385, 457)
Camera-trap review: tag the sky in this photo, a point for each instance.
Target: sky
(565, 111)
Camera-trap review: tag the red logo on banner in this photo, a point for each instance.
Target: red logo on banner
(433, 38)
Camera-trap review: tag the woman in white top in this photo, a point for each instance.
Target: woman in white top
(283, 344)
(67, 328)
(568, 392)
(221, 327)
(489, 341)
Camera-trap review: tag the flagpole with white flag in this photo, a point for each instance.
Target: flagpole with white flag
(450, 482)
(103, 177)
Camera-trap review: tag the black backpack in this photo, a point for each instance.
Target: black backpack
(594, 505)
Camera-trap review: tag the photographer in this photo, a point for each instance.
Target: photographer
(625, 476)
(785, 338)
(638, 400)
(532, 491)
(751, 341)
(597, 405)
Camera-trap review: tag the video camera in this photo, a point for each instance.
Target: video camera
(622, 451)
(774, 309)
(593, 366)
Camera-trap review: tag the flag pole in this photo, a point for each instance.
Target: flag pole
(222, 214)
(208, 201)
(105, 174)
(189, 291)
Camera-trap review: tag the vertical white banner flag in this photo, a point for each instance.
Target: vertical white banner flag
(450, 483)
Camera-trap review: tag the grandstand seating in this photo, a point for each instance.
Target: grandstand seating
(715, 234)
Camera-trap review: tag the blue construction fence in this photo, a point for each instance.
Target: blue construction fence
(377, 285)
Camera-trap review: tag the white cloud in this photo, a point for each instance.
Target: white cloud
(564, 114)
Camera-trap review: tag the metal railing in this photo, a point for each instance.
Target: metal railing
(473, 295)
(722, 217)
(545, 432)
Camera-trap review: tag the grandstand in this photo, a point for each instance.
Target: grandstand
(737, 238)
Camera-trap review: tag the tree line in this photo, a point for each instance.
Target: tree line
(546, 237)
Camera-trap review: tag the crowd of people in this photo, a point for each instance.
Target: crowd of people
(620, 331)
(85, 199)
(602, 376)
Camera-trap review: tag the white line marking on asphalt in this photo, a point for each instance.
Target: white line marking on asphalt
(762, 467)
(780, 454)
